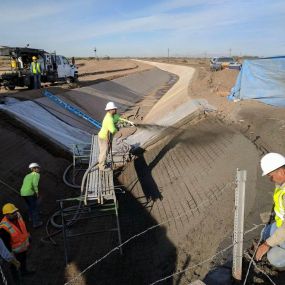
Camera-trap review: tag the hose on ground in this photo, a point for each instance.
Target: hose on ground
(52, 221)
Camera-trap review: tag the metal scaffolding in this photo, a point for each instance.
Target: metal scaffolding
(97, 199)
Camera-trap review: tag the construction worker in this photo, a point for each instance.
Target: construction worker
(14, 225)
(13, 63)
(30, 192)
(273, 165)
(36, 72)
(7, 259)
(107, 132)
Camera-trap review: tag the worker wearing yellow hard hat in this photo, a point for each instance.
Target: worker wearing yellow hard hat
(36, 71)
(15, 227)
(9, 208)
(273, 166)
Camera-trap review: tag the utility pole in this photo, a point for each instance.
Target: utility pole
(95, 50)
(230, 50)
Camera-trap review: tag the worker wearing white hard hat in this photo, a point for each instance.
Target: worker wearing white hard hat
(30, 192)
(273, 166)
(107, 132)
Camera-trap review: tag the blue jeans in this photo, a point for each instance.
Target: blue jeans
(37, 81)
(276, 255)
(32, 203)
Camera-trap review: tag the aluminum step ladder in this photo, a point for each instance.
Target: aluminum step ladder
(97, 185)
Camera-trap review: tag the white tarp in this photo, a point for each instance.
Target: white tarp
(35, 117)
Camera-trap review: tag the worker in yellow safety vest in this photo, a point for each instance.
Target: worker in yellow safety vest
(15, 226)
(107, 132)
(36, 72)
(273, 165)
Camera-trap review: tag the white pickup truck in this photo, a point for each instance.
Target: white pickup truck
(54, 67)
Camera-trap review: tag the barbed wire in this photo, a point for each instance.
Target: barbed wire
(10, 187)
(251, 260)
(193, 266)
(259, 269)
(206, 260)
(149, 229)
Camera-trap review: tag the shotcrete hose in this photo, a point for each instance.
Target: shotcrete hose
(52, 221)
(65, 179)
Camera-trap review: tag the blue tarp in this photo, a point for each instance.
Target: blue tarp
(263, 80)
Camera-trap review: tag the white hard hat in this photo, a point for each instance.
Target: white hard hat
(110, 106)
(33, 165)
(271, 161)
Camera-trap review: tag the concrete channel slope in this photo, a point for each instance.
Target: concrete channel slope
(173, 107)
(186, 182)
(64, 128)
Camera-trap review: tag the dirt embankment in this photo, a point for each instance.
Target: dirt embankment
(188, 171)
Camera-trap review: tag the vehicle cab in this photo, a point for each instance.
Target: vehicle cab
(65, 69)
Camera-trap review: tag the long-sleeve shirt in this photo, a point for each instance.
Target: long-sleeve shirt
(30, 185)
(278, 236)
(108, 125)
(4, 252)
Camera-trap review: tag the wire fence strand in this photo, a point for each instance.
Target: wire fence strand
(190, 210)
(206, 260)
(259, 269)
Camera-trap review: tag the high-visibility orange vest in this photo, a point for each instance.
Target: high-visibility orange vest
(19, 236)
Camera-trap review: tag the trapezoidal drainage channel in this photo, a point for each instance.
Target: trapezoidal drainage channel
(176, 209)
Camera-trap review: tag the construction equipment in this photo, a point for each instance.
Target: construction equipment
(54, 67)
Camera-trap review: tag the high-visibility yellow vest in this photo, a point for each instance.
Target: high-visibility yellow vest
(36, 68)
(278, 205)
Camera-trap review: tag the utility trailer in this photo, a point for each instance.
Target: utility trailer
(54, 67)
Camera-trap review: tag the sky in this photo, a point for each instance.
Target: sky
(146, 28)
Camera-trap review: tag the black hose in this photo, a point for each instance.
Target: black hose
(76, 215)
(65, 179)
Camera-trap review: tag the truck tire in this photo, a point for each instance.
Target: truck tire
(29, 82)
(70, 80)
(11, 87)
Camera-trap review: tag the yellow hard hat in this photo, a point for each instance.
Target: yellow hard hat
(9, 208)
(34, 57)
